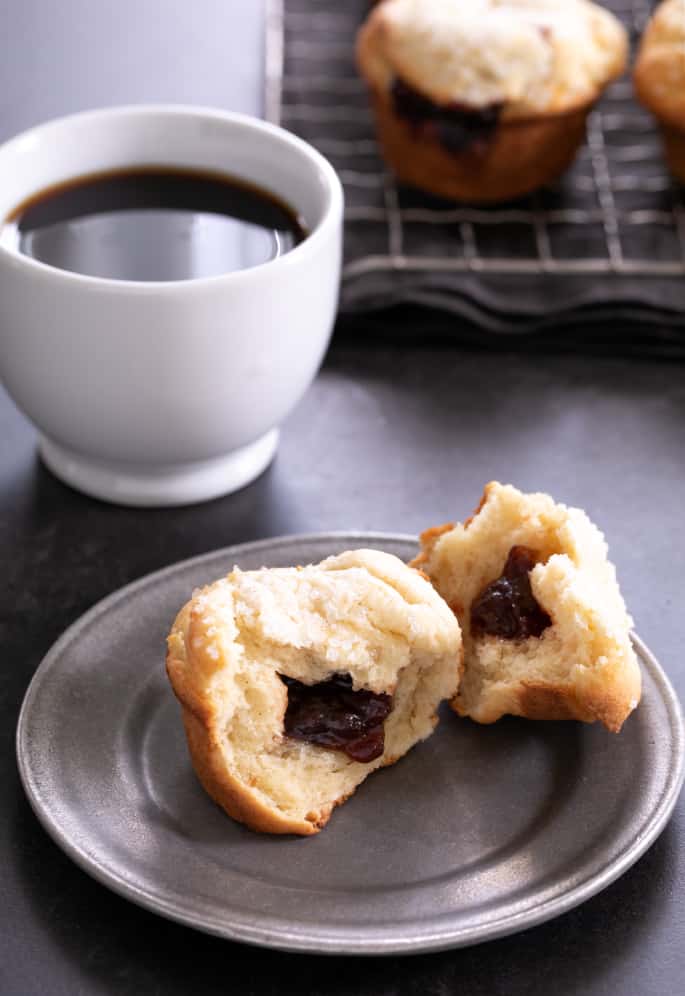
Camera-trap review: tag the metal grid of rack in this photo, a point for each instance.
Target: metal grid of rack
(615, 211)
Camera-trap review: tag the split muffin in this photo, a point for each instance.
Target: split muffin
(486, 100)
(297, 683)
(546, 632)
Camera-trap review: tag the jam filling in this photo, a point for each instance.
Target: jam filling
(507, 606)
(331, 714)
(457, 127)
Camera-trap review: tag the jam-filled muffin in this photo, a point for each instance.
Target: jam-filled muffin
(546, 632)
(660, 78)
(296, 683)
(487, 99)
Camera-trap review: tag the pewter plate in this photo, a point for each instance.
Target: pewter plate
(478, 832)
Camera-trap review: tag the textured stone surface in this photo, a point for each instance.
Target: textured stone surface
(387, 438)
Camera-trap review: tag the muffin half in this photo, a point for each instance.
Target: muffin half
(296, 683)
(660, 78)
(486, 100)
(546, 632)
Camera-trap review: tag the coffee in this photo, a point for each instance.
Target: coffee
(153, 223)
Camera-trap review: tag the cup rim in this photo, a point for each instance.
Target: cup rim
(332, 213)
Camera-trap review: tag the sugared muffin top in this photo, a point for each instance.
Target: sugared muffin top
(531, 56)
(660, 69)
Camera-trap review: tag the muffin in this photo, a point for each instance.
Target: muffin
(546, 632)
(486, 100)
(296, 683)
(660, 78)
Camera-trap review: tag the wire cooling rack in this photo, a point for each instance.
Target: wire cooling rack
(616, 211)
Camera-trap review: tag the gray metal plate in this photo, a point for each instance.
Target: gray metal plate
(478, 832)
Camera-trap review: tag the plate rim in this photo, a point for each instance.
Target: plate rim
(322, 939)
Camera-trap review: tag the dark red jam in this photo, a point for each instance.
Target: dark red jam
(331, 714)
(457, 127)
(507, 606)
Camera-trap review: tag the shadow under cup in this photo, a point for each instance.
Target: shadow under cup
(155, 392)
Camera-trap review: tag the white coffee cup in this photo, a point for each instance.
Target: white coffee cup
(159, 393)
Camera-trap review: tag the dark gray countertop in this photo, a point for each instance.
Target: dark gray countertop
(388, 438)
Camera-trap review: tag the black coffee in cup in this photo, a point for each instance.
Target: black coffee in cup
(154, 223)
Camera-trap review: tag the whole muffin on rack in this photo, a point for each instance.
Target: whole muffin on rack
(486, 100)
(660, 78)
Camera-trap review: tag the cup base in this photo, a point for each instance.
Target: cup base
(170, 484)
